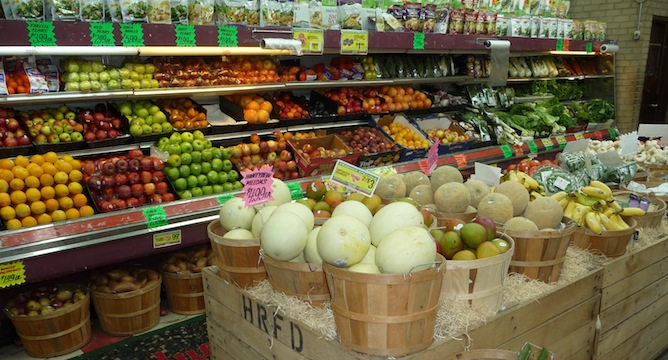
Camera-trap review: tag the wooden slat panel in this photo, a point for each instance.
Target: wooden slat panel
(627, 264)
(645, 344)
(217, 352)
(617, 292)
(639, 300)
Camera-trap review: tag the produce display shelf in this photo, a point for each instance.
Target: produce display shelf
(64, 96)
(570, 78)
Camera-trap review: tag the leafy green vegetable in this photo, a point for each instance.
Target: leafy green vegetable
(600, 110)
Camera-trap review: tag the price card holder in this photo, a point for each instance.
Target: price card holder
(296, 191)
(579, 136)
(507, 151)
(561, 140)
(257, 185)
(185, 35)
(566, 45)
(461, 160)
(102, 34)
(312, 40)
(354, 42)
(354, 178)
(547, 143)
(228, 36)
(612, 132)
(155, 217)
(384, 171)
(418, 41)
(164, 239)
(598, 135)
(12, 274)
(223, 198)
(132, 35)
(533, 148)
(41, 33)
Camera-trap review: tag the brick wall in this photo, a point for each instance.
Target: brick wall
(622, 19)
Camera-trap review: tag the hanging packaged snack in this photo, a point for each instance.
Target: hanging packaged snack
(323, 14)
(252, 12)
(65, 10)
(92, 11)
(178, 10)
(50, 71)
(4, 89)
(470, 4)
(159, 12)
(457, 22)
(28, 10)
(134, 10)
(368, 14)
(276, 12)
(301, 14)
(200, 12)
(350, 14)
(428, 14)
(481, 24)
(234, 12)
(218, 11)
(502, 25)
(114, 10)
(470, 20)
(412, 18)
(490, 19)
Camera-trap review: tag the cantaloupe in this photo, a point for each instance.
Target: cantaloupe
(422, 194)
(415, 178)
(517, 193)
(497, 207)
(545, 212)
(391, 217)
(445, 174)
(477, 189)
(390, 188)
(452, 197)
(283, 236)
(520, 223)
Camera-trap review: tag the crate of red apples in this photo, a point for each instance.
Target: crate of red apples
(126, 181)
(270, 150)
(374, 147)
(14, 139)
(318, 155)
(103, 126)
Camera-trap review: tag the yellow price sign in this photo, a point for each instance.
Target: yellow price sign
(12, 273)
(383, 171)
(354, 42)
(312, 40)
(354, 178)
(579, 136)
(165, 239)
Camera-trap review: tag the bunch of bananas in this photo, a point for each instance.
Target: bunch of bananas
(535, 190)
(595, 208)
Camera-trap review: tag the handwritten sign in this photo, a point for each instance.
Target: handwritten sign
(547, 143)
(418, 41)
(354, 178)
(12, 273)
(40, 33)
(185, 35)
(461, 160)
(507, 151)
(533, 148)
(312, 40)
(155, 217)
(228, 36)
(132, 35)
(102, 34)
(296, 191)
(354, 42)
(165, 239)
(257, 185)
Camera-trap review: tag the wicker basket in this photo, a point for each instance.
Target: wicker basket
(185, 292)
(385, 314)
(443, 217)
(58, 333)
(238, 260)
(608, 243)
(655, 213)
(649, 185)
(304, 281)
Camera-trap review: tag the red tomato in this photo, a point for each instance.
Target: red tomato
(511, 167)
(546, 162)
(523, 166)
(534, 163)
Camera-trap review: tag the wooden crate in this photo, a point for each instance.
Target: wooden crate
(242, 327)
(634, 305)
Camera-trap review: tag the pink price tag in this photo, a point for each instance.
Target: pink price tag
(257, 185)
(432, 157)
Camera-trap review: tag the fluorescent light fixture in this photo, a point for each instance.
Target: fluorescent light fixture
(209, 51)
(67, 50)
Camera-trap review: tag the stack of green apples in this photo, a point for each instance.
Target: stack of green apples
(145, 118)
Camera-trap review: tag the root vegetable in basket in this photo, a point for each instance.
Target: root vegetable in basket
(187, 261)
(123, 280)
(44, 300)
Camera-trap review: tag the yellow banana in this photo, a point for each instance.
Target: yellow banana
(535, 195)
(533, 184)
(608, 211)
(564, 202)
(632, 211)
(569, 209)
(619, 221)
(585, 200)
(606, 222)
(607, 192)
(560, 195)
(592, 222)
(513, 176)
(593, 191)
(578, 213)
(615, 205)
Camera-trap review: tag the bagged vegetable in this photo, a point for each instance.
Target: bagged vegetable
(412, 18)
(159, 12)
(428, 14)
(252, 12)
(65, 10)
(50, 71)
(28, 10)
(276, 12)
(200, 12)
(178, 10)
(234, 11)
(301, 14)
(114, 10)
(92, 11)
(350, 14)
(323, 14)
(134, 10)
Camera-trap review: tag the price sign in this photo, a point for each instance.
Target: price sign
(418, 41)
(519, 151)
(185, 35)
(257, 185)
(579, 136)
(40, 33)
(384, 171)
(102, 34)
(132, 35)
(312, 40)
(547, 143)
(354, 42)
(155, 217)
(228, 36)
(613, 133)
(296, 191)
(598, 135)
(223, 198)
(507, 151)
(560, 45)
(533, 148)
(354, 178)
(165, 239)
(562, 141)
(12, 273)
(461, 160)
(590, 47)
(566, 45)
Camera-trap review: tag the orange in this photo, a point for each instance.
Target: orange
(4, 186)
(28, 221)
(250, 116)
(245, 100)
(32, 181)
(6, 175)
(49, 168)
(76, 176)
(5, 200)
(52, 205)
(7, 213)
(37, 159)
(76, 164)
(62, 190)
(67, 157)
(46, 180)
(38, 208)
(51, 157)
(79, 200)
(13, 224)
(72, 213)
(61, 177)
(75, 188)
(35, 170)
(44, 219)
(21, 161)
(58, 215)
(17, 184)
(22, 210)
(253, 105)
(63, 166)
(33, 194)
(48, 192)
(20, 172)
(86, 210)
(7, 164)
(266, 106)
(65, 203)
(262, 116)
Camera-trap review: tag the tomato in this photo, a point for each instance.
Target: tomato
(534, 163)
(511, 167)
(546, 162)
(523, 166)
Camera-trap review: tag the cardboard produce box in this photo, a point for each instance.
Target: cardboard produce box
(373, 159)
(313, 166)
(443, 123)
(406, 154)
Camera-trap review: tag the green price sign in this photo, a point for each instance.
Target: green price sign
(507, 151)
(185, 35)
(613, 133)
(590, 47)
(296, 191)
(533, 148)
(223, 198)
(547, 143)
(102, 34)
(228, 36)
(560, 45)
(418, 41)
(155, 217)
(132, 35)
(41, 33)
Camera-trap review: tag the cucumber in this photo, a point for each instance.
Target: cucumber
(525, 351)
(543, 354)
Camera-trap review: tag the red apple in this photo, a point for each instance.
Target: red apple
(285, 155)
(156, 199)
(161, 188)
(146, 177)
(168, 197)
(124, 192)
(121, 179)
(133, 177)
(105, 206)
(146, 163)
(149, 188)
(132, 202)
(135, 154)
(137, 190)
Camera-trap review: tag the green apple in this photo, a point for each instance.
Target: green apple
(174, 149)
(126, 84)
(213, 177)
(70, 115)
(186, 147)
(174, 160)
(237, 185)
(76, 136)
(192, 181)
(197, 156)
(173, 173)
(207, 144)
(198, 134)
(156, 128)
(72, 86)
(73, 77)
(186, 158)
(94, 76)
(147, 129)
(227, 165)
(233, 175)
(180, 184)
(114, 74)
(65, 137)
(153, 109)
(124, 73)
(195, 169)
(187, 137)
(162, 142)
(160, 117)
(141, 112)
(136, 130)
(84, 77)
(217, 165)
(149, 120)
(223, 177)
(217, 189)
(206, 167)
(85, 85)
(197, 191)
(185, 194)
(207, 155)
(113, 84)
(184, 171)
(202, 180)
(207, 190)
(198, 145)
(228, 186)
(167, 127)
(175, 138)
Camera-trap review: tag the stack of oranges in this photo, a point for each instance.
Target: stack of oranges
(406, 137)
(40, 190)
(401, 99)
(257, 110)
(18, 83)
(183, 113)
